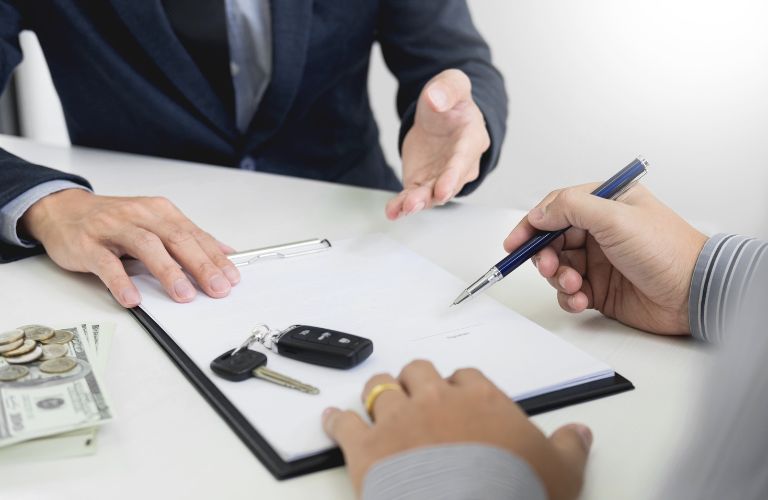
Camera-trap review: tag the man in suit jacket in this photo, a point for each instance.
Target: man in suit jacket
(269, 86)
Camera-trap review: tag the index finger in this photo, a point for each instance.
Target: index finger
(524, 230)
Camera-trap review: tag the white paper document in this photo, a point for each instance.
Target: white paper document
(373, 287)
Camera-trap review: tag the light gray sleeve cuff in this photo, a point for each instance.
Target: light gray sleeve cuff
(725, 274)
(453, 472)
(11, 212)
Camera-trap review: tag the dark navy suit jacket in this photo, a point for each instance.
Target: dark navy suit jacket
(126, 83)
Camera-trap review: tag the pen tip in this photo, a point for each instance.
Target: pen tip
(461, 298)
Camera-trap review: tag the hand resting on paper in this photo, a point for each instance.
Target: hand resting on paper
(85, 232)
(466, 407)
(632, 259)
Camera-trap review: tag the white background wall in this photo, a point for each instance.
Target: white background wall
(592, 83)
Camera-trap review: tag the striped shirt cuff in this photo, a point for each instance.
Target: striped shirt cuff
(722, 277)
(12, 212)
(461, 471)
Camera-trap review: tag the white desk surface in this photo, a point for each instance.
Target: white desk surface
(166, 442)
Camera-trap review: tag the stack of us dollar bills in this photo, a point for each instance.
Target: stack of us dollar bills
(52, 399)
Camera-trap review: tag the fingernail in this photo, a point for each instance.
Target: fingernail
(130, 297)
(327, 412)
(232, 274)
(184, 289)
(536, 214)
(572, 302)
(219, 284)
(561, 281)
(227, 249)
(535, 260)
(438, 97)
(419, 206)
(585, 434)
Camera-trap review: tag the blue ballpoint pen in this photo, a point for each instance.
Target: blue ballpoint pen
(610, 189)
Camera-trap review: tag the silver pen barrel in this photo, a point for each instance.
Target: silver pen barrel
(488, 279)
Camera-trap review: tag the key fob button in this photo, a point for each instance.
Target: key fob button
(345, 342)
(305, 336)
(325, 338)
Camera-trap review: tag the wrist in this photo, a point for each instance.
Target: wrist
(38, 217)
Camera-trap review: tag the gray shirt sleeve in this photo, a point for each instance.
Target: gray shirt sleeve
(11, 212)
(461, 471)
(725, 274)
(726, 453)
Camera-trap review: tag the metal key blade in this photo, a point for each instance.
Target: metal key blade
(276, 378)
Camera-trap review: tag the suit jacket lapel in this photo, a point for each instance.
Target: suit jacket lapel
(148, 23)
(291, 24)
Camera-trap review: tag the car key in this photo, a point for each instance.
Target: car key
(241, 364)
(318, 346)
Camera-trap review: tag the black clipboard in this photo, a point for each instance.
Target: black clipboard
(333, 458)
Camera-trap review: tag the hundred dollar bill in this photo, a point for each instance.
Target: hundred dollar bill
(76, 443)
(42, 404)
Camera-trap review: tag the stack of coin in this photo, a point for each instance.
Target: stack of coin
(34, 343)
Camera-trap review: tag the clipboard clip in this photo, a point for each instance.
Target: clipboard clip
(284, 251)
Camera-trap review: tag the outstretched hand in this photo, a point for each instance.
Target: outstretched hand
(443, 148)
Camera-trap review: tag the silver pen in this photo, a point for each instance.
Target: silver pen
(286, 250)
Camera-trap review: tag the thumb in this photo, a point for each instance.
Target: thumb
(571, 443)
(578, 208)
(448, 89)
(344, 427)
(348, 430)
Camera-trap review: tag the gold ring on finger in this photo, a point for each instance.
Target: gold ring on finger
(377, 391)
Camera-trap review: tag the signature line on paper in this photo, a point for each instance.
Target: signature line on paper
(451, 334)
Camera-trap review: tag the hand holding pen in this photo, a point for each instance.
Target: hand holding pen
(612, 189)
(631, 260)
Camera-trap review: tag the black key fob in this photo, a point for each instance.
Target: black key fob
(321, 346)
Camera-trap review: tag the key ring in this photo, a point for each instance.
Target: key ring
(257, 335)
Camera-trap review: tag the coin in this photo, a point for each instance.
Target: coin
(11, 336)
(34, 355)
(58, 365)
(59, 337)
(37, 332)
(27, 346)
(53, 351)
(11, 346)
(10, 373)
